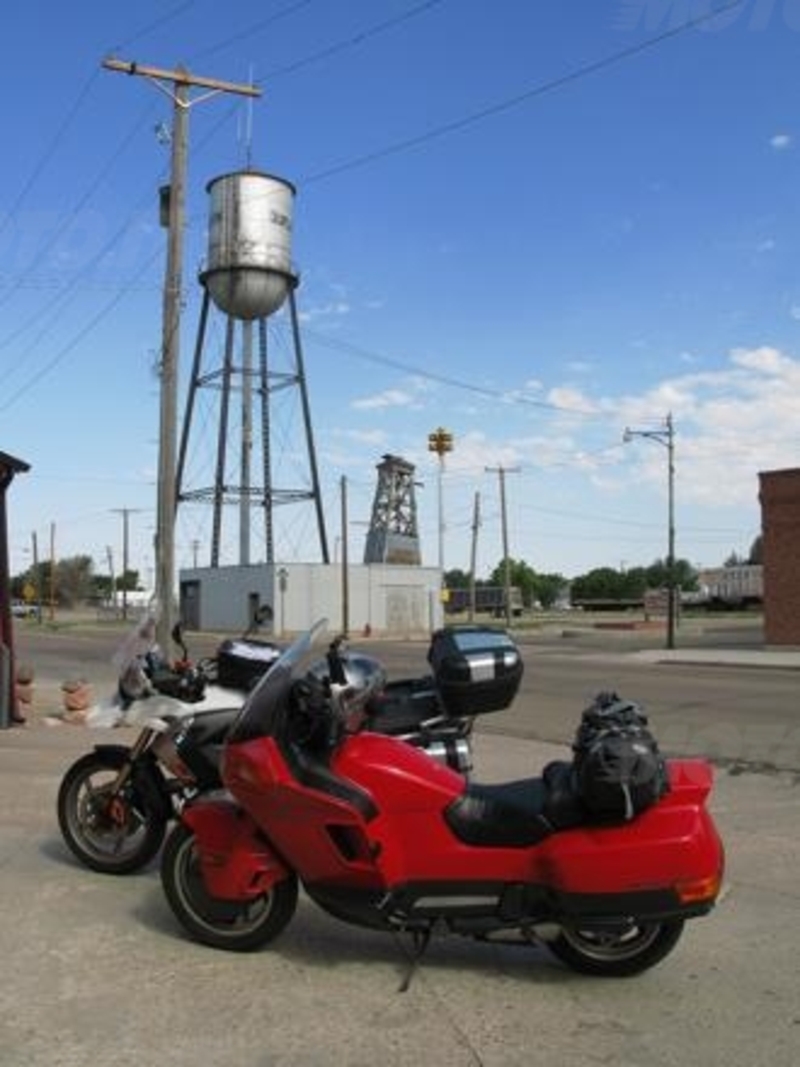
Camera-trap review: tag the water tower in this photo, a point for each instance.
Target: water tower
(248, 277)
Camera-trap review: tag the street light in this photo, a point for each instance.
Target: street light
(665, 437)
(441, 442)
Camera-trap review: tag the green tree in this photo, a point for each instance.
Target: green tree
(602, 583)
(684, 572)
(520, 574)
(549, 587)
(73, 580)
(455, 579)
(128, 580)
(542, 588)
(757, 550)
(634, 583)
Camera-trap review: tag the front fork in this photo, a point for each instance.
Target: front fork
(135, 753)
(138, 769)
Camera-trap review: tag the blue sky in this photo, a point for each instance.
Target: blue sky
(531, 223)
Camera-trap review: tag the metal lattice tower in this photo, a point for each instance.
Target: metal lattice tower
(253, 380)
(393, 535)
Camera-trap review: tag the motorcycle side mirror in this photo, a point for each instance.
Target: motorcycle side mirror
(177, 637)
(335, 663)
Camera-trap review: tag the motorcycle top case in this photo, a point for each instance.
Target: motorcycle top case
(477, 669)
(242, 661)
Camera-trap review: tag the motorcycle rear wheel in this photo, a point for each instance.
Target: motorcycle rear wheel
(110, 832)
(238, 926)
(616, 953)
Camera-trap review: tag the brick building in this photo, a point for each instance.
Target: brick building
(780, 524)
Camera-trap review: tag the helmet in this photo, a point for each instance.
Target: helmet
(351, 679)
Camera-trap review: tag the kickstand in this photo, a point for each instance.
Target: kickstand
(420, 940)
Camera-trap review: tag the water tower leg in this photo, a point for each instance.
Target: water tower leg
(266, 454)
(312, 455)
(222, 439)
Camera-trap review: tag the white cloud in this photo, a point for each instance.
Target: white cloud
(389, 398)
(333, 309)
(729, 425)
(364, 437)
(571, 399)
(780, 141)
(766, 360)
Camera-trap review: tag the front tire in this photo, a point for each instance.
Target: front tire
(239, 926)
(616, 952)
(113, 832)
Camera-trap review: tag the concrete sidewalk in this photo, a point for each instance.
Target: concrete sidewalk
(770, 659)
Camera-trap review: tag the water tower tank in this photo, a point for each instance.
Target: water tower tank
(249, 269)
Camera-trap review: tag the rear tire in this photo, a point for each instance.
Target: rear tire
(113, 833)
(618, 953)
(238, 926)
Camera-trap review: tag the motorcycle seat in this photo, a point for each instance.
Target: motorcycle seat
(501, 816)
(516, 814)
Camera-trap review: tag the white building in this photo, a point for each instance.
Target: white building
(372, 598)
(740, 583)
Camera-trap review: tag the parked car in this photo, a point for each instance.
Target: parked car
(21, 610)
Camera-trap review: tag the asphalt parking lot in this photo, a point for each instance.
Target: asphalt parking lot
(95, 969)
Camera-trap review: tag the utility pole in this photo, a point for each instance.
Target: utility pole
(125, 513)
(37, 577)
(181, 82)
(502, 472)
(665, 437)
(476, 522)
(110, 561)
(345, 563)
(52, 571)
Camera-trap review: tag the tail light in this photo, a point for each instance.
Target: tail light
(699, 890)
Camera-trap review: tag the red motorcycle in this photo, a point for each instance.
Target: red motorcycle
(383, 836)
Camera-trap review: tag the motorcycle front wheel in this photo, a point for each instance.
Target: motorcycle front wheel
(111, 831)
(239, 926)
(616, 952)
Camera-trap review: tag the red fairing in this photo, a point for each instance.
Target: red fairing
(391, 830)
(674, 841)
(236, 861)
(676, 838)
(324, 837)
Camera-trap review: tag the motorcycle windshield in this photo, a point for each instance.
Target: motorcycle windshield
(264, 709)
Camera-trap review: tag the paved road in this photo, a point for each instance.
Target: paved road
(707, 701)
(95, 970)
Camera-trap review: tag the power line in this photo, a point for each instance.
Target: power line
(534, 92)
(60, 230)
(443, 379)
(150, 26)
(349, 42)
(550, 86)
(248, 33)
(48, 152)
